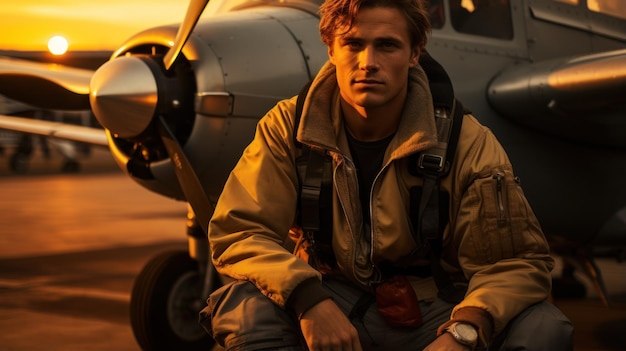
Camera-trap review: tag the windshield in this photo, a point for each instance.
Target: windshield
(616, 8)
(487, 18)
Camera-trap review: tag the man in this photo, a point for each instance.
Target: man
(370, 108)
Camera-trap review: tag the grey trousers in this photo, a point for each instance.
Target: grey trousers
(239, 317)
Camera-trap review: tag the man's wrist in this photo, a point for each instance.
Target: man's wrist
(309, 293)
(478, 317)
(464, 333)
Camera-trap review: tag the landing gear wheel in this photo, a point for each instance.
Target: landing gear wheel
(165, 302)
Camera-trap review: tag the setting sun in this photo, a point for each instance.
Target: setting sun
(57, 45)
(88, 25)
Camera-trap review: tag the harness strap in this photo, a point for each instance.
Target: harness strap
(311, 190)
(434, 164)
(311, 183)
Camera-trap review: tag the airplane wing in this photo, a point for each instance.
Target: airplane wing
(48, 86)
(45, 85)
(89, 135)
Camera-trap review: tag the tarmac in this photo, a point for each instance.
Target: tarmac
(71, 245)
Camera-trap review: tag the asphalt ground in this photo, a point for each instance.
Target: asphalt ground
(72, 244)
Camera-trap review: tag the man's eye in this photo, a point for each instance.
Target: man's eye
(388, 45)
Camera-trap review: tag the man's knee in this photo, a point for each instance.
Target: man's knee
(539, 327)
(239, 316)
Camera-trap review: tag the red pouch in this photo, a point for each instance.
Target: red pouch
(397, 303)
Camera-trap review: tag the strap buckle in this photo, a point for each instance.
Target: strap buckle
(431, 162)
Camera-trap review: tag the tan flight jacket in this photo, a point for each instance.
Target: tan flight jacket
(493, 239)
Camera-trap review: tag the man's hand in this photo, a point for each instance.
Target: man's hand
(446, 342)
(325, 327)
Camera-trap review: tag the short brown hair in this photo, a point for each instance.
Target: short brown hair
(342, 13)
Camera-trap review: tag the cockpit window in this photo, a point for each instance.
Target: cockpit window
(489, 18)
(615, 8)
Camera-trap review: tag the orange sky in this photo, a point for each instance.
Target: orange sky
(106, 24)
(86, 24)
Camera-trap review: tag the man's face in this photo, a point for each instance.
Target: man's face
(372, 60)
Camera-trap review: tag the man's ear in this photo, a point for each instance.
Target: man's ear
(331, 54)
(415, 56)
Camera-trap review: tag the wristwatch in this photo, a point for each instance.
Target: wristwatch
(464, 333)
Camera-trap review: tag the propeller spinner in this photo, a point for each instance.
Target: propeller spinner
(124, 84)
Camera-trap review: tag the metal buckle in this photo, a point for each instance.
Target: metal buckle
(431, 162)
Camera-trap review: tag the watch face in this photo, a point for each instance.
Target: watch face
(466, 331)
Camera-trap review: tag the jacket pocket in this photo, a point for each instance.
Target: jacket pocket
(502, 217)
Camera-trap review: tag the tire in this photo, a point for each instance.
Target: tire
(165, 302)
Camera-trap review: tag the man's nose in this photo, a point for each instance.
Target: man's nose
(367, 59)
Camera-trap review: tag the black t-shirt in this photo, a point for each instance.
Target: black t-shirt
(368, 158)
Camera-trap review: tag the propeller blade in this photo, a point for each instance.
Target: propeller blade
(191, 18)
(187, 178)
(58, 87)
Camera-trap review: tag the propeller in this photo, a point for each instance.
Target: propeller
(187, 178)
(150, 95)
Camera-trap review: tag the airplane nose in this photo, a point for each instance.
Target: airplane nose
(123, 96)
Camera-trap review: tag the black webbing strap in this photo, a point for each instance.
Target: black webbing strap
(311, 183)
(434, 164)
(310, 191)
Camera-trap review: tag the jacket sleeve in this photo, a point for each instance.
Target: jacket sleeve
(256, 209)
(501, 247)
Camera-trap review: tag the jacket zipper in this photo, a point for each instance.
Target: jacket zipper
(377, 272)
(501, 213)
(343, 207)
